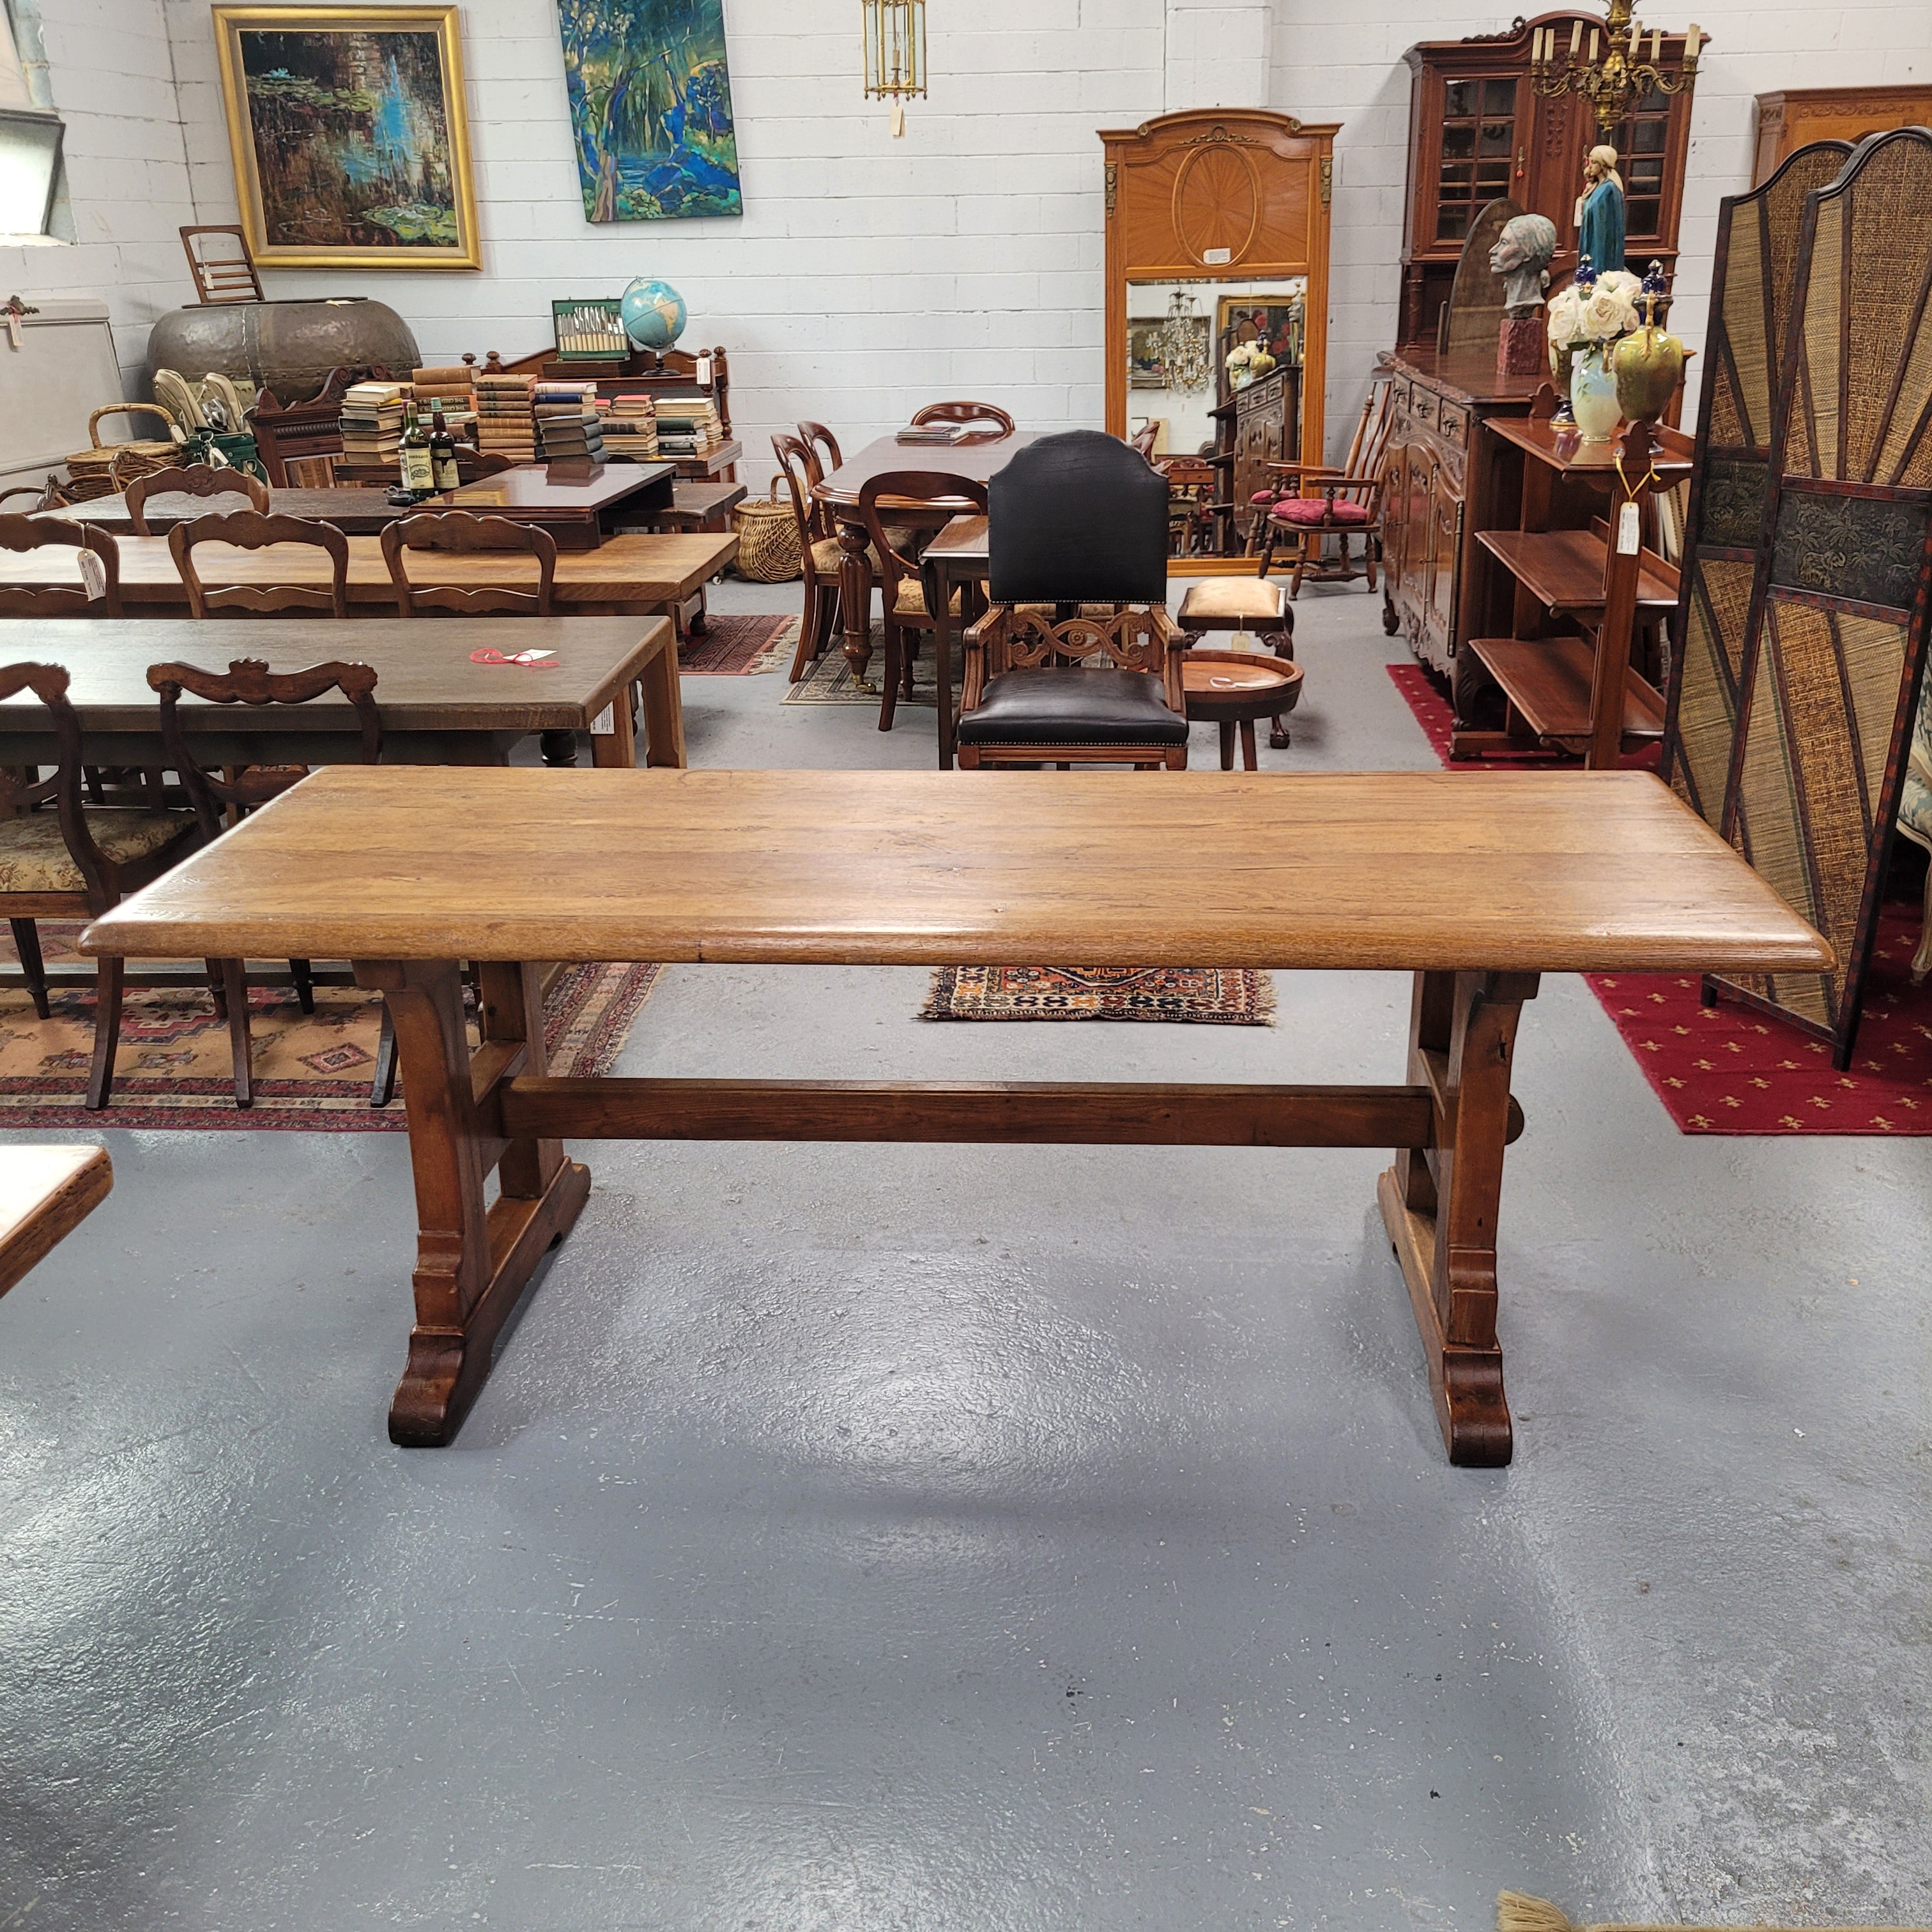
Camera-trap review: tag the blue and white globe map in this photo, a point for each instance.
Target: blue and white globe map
(654, 313)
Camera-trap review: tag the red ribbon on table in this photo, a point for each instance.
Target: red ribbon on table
(524, 660)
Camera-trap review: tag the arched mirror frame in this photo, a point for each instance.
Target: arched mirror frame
(1168, 216)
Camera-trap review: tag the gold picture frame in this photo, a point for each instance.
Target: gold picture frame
(310, 90)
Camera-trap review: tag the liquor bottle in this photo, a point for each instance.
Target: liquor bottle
(418, 474)
(442, 449)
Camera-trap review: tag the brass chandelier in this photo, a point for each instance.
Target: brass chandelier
(1622, 76)
(895, 53)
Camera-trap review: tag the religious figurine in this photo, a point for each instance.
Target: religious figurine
(1522, 256)
(1600, 212)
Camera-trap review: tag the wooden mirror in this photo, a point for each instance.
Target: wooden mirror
(1217, 232)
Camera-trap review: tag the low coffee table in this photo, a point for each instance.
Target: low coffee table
(1234, 687)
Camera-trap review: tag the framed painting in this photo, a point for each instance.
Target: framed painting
(1147, 368)
(1276, 321)
(347, 130)
(650, 108)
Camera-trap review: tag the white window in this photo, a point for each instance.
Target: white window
(30, 130)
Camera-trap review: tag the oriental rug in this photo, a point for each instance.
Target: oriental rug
(312, 1070)
(1517, 1912)
(739, 647)
(828, 679)
(1209, 996)
(1729, 1070)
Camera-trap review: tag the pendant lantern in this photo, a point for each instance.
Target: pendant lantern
(895, 54)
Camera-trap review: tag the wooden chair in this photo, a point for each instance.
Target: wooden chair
(193, 479)
(823, 445)
(1078, 530)
(251, 530)
(819, 556)
(1144, 438)
(903, 607)
(964, 413)
(53, 600)
(458, 532)
(61, 858)
(223, 269)
(220, 799)
(45, 497)
(1315, 504)
(471, 463)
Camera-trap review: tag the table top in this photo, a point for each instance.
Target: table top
(641, 569)
(424, 679)
(1401, 871)
(564, 486)
(964, 547)
(980, 460)
(45, 1192)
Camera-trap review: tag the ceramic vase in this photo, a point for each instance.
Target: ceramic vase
(1647, 367)
(1593, 395)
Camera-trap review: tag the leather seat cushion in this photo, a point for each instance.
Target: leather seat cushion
(1304, 510)
(1065, 705)
(33, 857)
(1249, 598)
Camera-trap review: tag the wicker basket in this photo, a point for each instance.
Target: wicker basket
(767, 540)
(107, 467)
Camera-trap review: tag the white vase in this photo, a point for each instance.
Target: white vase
(1593, 395)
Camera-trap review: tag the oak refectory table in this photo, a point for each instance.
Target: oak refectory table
(1475, 882)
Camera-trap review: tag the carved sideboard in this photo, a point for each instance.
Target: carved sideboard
(1443, 480)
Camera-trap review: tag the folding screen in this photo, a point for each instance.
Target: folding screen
(1751, 303)
(1836, 634)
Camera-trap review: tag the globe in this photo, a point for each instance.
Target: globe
(654, 313)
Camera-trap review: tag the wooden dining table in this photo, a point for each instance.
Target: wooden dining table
(1474, 882)
(581, 503)
(979, 459)
(628, 576)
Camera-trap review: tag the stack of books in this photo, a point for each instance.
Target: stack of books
(631, 428)
(934, 433)
(688, 426)
(372, 423)
(567, 419)
(505, 420)
(455, 388)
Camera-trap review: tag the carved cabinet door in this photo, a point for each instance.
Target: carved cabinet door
(1395, 532)
(1445, 508)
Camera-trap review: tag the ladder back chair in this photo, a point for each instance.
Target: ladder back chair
(985, 413)
(903, 607)
(98, 592)
(459, 532)
(221, 798)
(252, 529)
(1311, 504)
(61, 858)
(1077, 660)
(192, 479)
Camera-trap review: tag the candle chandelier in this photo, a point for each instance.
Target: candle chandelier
(1622, 76)
(895, 53)
(1181, 344)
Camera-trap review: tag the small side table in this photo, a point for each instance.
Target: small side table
(1232, 689)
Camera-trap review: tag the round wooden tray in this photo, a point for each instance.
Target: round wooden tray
(1231, 686)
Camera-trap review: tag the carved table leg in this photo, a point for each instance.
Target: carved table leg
(855, 598)
(472, 1263)
(1439, 1203)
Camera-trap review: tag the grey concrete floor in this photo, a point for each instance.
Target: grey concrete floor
(963, 1540)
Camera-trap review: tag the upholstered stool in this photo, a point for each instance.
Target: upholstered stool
(1232, 689)
(1255, 603)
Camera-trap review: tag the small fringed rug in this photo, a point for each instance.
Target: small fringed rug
(828, 679)
(312, 1070)
(1208, 995)
(1517, 1912)
(739, 647)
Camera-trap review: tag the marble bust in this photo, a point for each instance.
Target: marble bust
(1522, 256)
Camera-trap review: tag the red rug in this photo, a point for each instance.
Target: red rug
(739, 647)
(1725, 1070)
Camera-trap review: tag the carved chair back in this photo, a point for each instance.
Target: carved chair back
(191, 479)
(53, 600)
(908, 486)
(252, 529)
(983, 413)
(823, 445)
(801, 471)
(457, 531)
(215, 794)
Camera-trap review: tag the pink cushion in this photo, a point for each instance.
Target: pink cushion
(1261, 496)
(1311, 510)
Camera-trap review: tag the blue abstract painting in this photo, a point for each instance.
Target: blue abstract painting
(650, 103)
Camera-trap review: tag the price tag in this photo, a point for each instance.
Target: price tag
(1215, 258)
(1629, 533)
(604, 724)
(93, 574)
(704, 372)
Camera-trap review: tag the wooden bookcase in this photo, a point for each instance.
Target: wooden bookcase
(1478, 130)
(1565, 670)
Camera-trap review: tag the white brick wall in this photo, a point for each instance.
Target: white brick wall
(127, 170)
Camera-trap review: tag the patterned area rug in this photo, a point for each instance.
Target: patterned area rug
(1726, 1069)
(311, 1070)
(739, 647)
(828, 679)
(1209, 996)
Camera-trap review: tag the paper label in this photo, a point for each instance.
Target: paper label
(93, 574)
(1629, 531)
(704, 372)
(1215, 257)
(604, 724)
